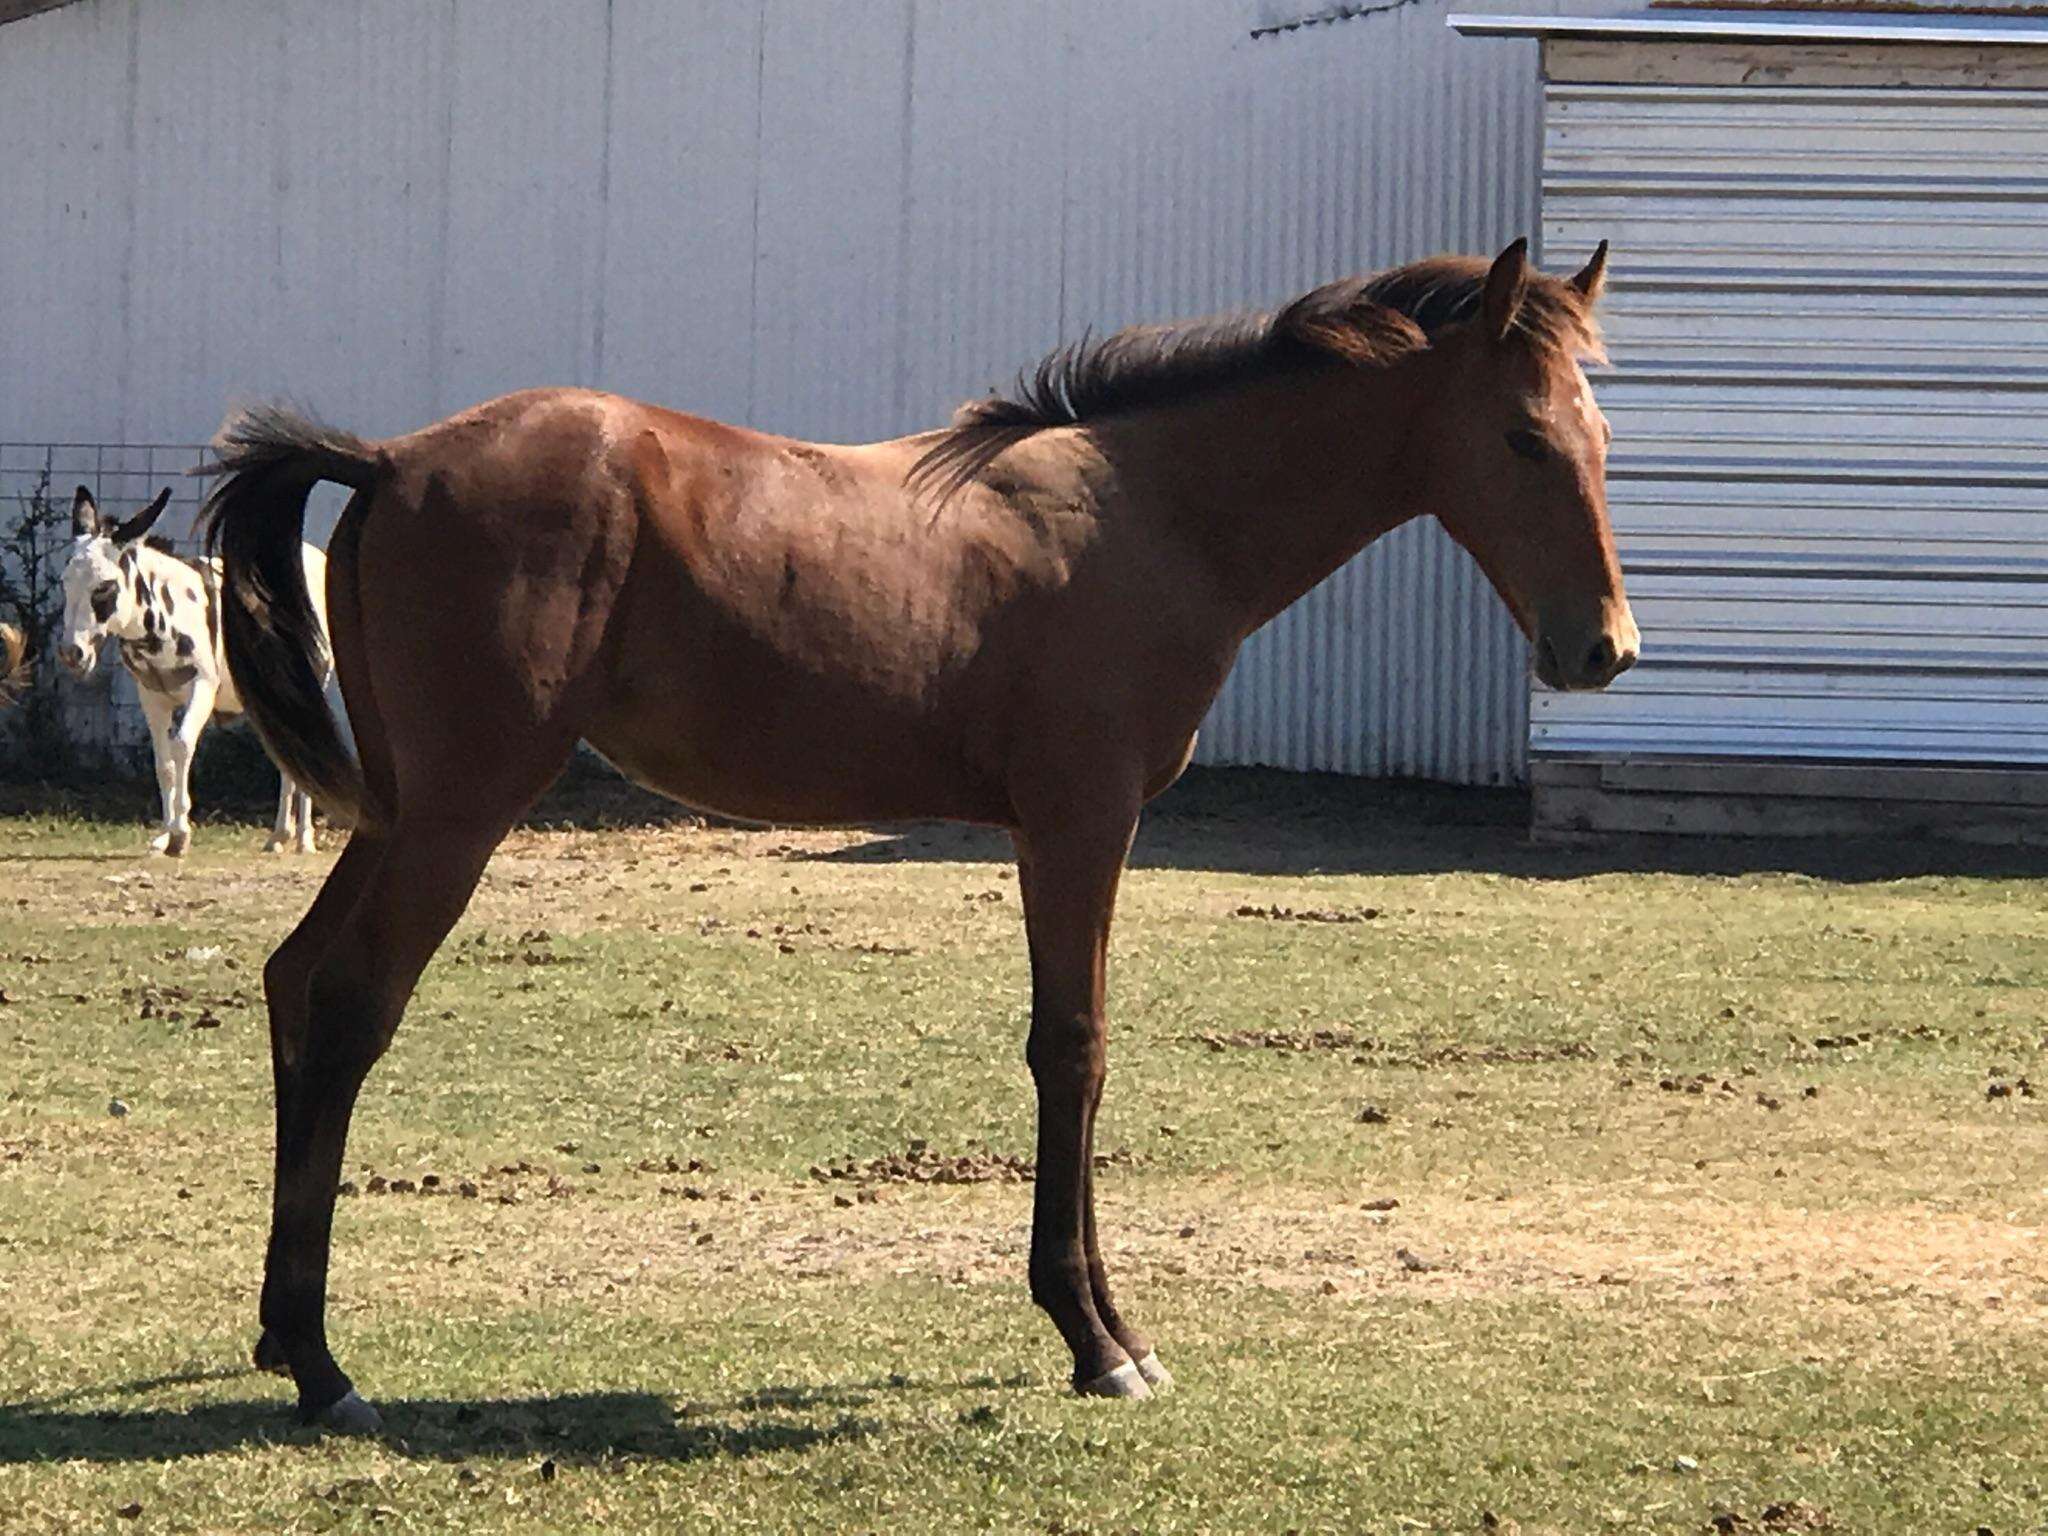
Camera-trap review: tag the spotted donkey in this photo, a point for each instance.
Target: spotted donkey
(165, 613)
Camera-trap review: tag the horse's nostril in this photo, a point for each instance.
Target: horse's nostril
(1600, 659)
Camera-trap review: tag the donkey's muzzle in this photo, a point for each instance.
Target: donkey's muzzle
(76, 659)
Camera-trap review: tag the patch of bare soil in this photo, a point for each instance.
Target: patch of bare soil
(1692, 1252)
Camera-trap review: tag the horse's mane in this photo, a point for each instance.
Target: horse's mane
(1363, 321)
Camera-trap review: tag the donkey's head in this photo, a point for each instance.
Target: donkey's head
(102, 584)
(1520, 475)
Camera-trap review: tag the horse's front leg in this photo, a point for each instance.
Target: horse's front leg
(1068, 869)
(186, 721)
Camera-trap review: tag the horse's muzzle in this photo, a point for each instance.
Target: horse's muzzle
(1575, 664)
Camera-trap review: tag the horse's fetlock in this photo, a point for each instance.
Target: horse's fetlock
(1056, 1281)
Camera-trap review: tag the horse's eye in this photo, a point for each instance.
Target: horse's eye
(104, 597)
(1528, 445)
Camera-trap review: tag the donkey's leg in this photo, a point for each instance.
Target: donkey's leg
(156, 709)
(281, 829)
(187, 721)
(419, 879)
(302, 821)
(1068, 869)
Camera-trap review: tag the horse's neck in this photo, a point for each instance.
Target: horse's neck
(1278, 483)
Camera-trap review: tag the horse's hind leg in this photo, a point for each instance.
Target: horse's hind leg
(414, 883)
(287, 982)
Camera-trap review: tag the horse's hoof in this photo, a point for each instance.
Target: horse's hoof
(275, 845)
(349, 1415)
(269, 1355)
(176, 846)
(1124, 1381)
(1157, 1376)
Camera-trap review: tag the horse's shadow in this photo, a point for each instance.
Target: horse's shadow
(571, 1429)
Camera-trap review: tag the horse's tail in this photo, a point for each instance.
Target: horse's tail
(13, 663)
(269, 461)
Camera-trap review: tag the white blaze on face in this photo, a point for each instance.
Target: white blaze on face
(1591, 417)
(91, 566)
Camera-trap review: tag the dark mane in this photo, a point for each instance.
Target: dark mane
(1363, 321)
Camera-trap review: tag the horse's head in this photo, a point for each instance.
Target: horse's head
(1520, 478)
(101, 595)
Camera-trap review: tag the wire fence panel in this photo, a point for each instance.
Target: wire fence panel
(102, 716)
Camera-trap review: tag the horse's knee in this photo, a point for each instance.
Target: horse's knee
(1067, 1050)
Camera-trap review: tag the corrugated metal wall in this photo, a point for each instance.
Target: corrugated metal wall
(828, 218)
(1830, 482)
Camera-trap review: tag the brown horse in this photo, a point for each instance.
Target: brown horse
(1018, 621)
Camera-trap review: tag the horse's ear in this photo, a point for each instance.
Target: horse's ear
(1592, 277)
(139, 524)
(1505, 286)
(85, 513)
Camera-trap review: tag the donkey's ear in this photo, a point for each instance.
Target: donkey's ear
(85, 513)
(1592, 277)
(1505, 286)
(140, 523)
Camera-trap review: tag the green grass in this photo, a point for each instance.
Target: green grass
(1640, 1306)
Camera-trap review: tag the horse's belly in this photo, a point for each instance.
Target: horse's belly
(781, 767)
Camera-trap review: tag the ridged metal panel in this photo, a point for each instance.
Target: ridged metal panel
(830, 218)
(1830, 478)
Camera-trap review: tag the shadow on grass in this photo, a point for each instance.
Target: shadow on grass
(1253, 821)
(574, 1428)
(1264, 822)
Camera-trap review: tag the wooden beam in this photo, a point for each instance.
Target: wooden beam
(1730, 797)
(1982, 66)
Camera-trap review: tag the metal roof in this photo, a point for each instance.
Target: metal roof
(1830, 26)
(15, 10)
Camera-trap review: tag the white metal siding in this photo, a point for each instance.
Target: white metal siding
(834, 218)
(1830, 478)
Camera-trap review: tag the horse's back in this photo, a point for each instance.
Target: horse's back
(755, 624)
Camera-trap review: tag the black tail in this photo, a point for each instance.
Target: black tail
(269, 461)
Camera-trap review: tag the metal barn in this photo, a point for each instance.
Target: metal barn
(832, 218)
(1829, 314)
